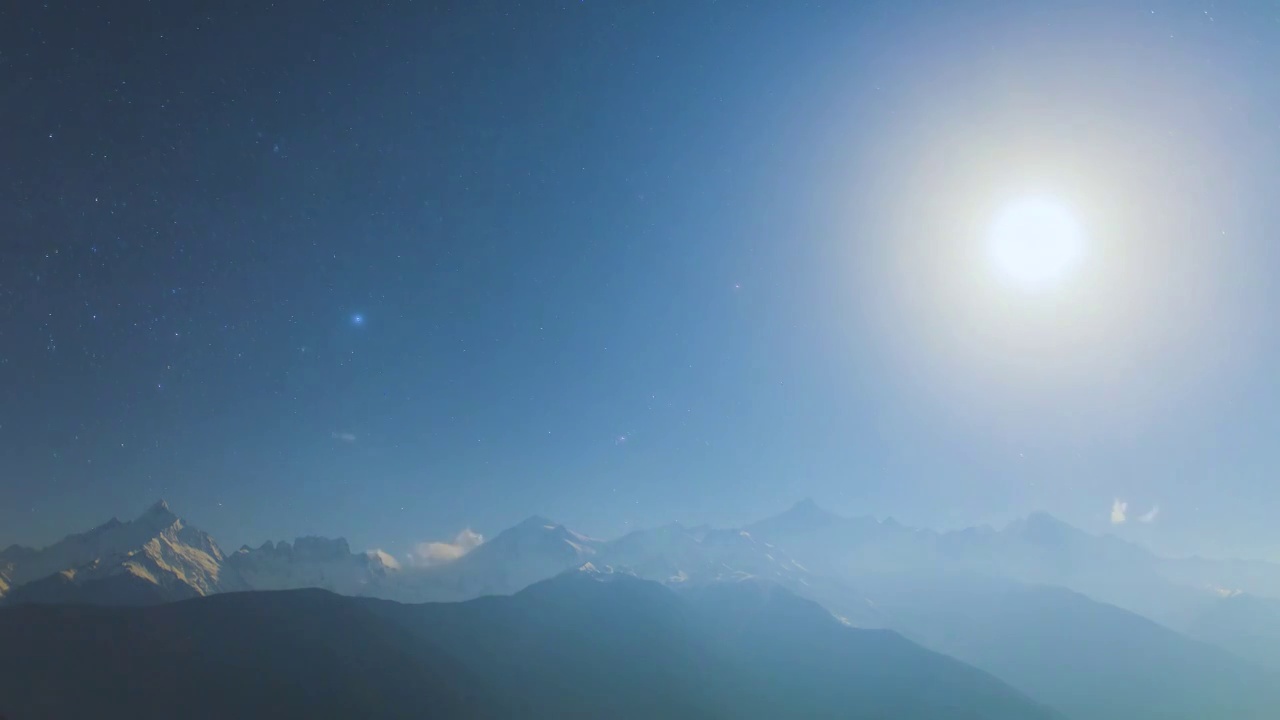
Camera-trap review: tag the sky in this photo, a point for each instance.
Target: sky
(390, 270)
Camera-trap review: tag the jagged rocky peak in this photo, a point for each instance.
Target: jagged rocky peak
(107, 526)
(155, 556)
(158, 515)
(307, 548)
(320, 548)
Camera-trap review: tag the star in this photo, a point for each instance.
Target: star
(357, 319)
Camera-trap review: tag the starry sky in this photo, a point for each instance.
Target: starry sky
(386, 270)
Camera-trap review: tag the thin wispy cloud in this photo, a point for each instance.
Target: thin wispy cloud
(428, 554)
(1119, 512)
(1150, 515)
(343, 436)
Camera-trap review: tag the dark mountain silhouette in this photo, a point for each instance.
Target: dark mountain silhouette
(1085, 658)
(296, 654)
(582, 645)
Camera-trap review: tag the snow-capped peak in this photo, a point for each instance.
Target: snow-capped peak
(158, 517)
(539, 531)
(157, 550)
(311, 561)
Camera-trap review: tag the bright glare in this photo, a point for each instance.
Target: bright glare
(1035, 243)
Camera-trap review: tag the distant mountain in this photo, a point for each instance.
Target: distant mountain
(310, 562)
(853, 567)
(678, 555)
(813, 551)
(1041, 549)
(1088, 659)
(838, 546)
(583, 645)
(1254, 577)
(803, 518)
(160, 558)
(1037, 549)
(1245, 624)
(962, 583)
(534, 550)
(674, 553)
(155, 558)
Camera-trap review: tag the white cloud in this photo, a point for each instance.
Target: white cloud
(385, 558)
(343, 436)
(1150, 515)
(428, 554)
(1119, 512)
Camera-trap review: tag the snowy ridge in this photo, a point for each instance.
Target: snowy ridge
(676, 554)
(817, 554)
(157, 550)
(533, 550)
(315, 562)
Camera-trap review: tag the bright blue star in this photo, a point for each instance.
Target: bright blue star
(357, 319)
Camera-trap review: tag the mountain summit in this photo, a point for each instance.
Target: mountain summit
(158, 516)
(533, 550)
(154, 558)
(803, 517)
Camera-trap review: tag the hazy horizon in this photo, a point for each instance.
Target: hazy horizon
(1134, 529)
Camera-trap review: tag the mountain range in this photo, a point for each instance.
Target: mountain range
(586, 644)
(1092, 626)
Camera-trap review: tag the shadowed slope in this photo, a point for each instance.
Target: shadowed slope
(582, 645)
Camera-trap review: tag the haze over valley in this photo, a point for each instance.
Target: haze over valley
(1034, 615)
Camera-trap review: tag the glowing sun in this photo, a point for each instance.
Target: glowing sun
(1035, 243)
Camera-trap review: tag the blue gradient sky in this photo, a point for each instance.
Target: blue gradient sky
(391, 270)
